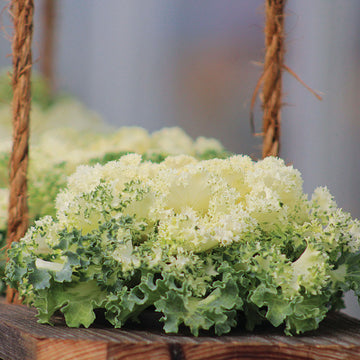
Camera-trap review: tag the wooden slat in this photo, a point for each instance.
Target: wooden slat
(21, 337)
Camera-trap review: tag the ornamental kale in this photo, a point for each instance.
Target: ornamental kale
(206, 243)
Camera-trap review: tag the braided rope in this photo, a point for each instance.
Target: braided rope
(22, 13)
(272, 76)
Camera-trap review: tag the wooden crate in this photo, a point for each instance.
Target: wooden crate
(22, 338)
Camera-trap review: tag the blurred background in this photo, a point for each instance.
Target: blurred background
(191, 64)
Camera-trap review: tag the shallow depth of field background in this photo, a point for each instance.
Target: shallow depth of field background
(190, 63)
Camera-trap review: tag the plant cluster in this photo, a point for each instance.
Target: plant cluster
(209, 244)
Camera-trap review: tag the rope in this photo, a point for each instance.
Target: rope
(272, 76)
(47, 64)
(22, 14)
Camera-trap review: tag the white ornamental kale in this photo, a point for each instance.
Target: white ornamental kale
(204, 243)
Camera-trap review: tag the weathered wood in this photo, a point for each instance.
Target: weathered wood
(21, 337)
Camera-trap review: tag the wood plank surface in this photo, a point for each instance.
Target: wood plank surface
(22, 338)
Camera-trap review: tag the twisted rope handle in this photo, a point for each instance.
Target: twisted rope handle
(272, 76)
(22, 12)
